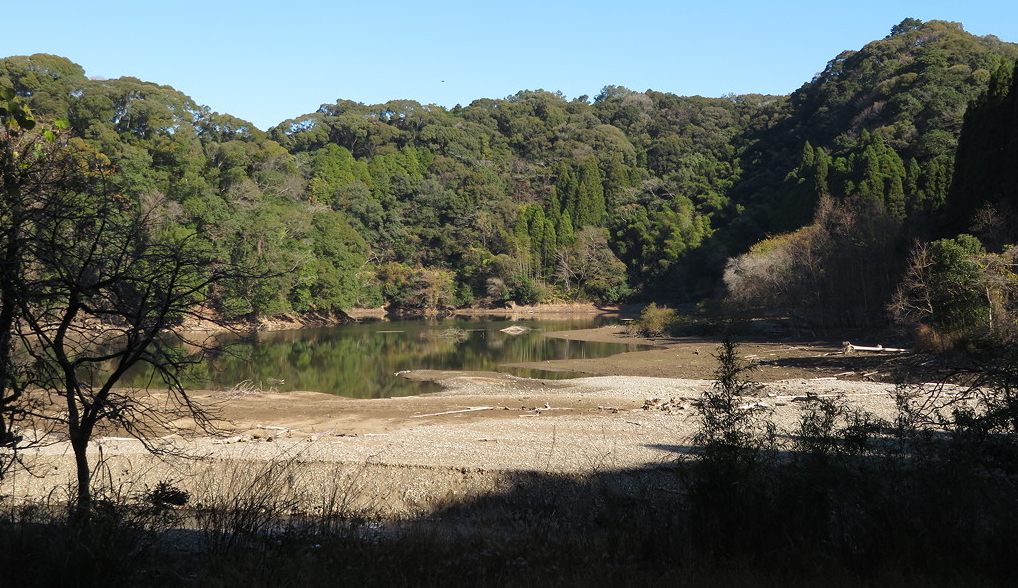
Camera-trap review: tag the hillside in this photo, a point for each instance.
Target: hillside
(533, 197)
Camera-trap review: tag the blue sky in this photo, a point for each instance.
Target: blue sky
(269, 61)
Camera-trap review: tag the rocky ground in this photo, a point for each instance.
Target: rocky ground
(402, 456)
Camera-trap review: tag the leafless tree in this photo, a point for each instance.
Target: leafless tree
(913, 300)
(91, 285)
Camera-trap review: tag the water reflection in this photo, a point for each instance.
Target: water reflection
(361, 360)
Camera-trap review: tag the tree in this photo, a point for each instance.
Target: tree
(589, 264)
(907, 25)
(837, 272)
(91, 285)
(986, 168)
(587, 207)
(416, 291)
(728, 435)
(14, 119)
(954, 288)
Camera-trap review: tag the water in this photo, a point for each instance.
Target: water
(361, 360)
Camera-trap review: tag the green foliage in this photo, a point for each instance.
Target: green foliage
(655, 321)
(728, 434)
(13, 111)
(661, 321)
(955, 289)
(590, 267)
(416, 291)
(911, 89)
(680, 183)
(905, 26)
(987, 161)
(528, 291)
(958, 297)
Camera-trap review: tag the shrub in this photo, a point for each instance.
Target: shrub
(655, 321)
(728, 431)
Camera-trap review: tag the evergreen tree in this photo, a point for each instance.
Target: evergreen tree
(589, 204)
(986, 165)
(564, 232)
(566, 187)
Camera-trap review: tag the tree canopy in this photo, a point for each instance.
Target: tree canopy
(515, 198)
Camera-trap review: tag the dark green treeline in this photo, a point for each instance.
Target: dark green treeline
(536, 197)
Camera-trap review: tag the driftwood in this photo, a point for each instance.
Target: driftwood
(471, 409)
(849, 348)
(234, 439)
(670, 405)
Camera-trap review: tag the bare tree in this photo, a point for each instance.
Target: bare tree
(590, 265)
(912, 304)
(91, 287)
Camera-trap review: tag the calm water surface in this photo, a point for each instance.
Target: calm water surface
(361, 360)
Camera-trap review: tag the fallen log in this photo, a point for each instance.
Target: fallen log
(849, 348)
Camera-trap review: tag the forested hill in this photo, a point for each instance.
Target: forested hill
(536, 197)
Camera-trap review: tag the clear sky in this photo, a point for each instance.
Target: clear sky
(269, 61)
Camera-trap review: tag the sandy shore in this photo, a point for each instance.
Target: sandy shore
(401, 456)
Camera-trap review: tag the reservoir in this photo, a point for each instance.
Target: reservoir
(362, 360)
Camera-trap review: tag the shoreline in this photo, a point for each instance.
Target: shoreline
(511, 311)
(405, 456)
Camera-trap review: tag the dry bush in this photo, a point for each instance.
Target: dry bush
(926, 339)
(760, 278)
(837, 272)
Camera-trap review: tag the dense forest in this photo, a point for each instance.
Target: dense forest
(843, 204)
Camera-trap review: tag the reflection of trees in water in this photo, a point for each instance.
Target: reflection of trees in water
(341, 365)
(361, 360)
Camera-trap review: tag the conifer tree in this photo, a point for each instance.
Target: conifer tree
(589, 209)
(565, 234)
(617, 179)
(566, 187)
(915, 196)
(986, 163)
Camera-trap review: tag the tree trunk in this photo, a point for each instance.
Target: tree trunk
(82, 509)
